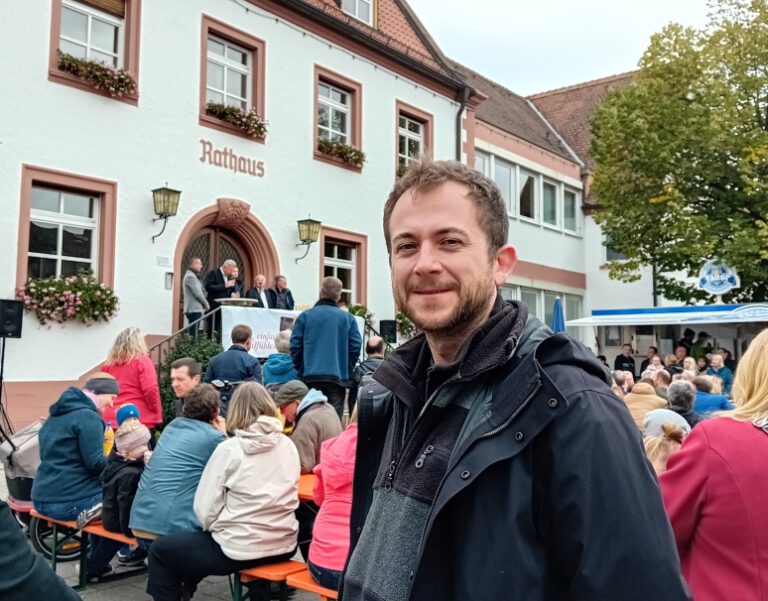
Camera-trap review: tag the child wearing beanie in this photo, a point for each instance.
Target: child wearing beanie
(120, 479)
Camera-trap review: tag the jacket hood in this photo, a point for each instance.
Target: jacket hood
(311, 398)
(279, 364)
(561, 349)
(337, 456)
(117, 464)
(72, 399)
(643, 388)
(261, 436)
(405, 371)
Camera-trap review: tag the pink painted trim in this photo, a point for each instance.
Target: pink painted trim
(417, 114)
(360, 241)
(535, 271)
(355, 90)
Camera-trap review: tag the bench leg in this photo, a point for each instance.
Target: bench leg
(55, 546)
(83, 581)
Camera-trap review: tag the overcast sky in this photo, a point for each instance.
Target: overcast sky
(532, 46)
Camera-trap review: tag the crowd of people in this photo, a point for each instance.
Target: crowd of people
(486, 458)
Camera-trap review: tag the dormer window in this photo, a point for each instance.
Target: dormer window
(359, 9)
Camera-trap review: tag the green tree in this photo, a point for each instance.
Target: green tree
(682, 154)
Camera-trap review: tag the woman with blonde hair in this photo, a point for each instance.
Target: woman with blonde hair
(245, 502)
(128, 361)
(689, 364)
(715, 491)
(659, 448)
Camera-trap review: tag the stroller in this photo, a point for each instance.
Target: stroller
(20, 455)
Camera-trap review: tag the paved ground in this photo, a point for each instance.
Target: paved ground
(132, 589)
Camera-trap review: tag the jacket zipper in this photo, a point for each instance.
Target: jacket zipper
(501, 427)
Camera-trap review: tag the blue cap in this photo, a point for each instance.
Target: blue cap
(125, 412)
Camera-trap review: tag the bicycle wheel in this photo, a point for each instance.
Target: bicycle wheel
(41, 535)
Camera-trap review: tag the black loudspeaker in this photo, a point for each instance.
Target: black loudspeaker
(11, 313)
(388, 328)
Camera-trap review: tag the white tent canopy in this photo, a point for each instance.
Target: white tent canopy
(709, 314)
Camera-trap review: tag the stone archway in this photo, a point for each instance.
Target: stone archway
(235, 216)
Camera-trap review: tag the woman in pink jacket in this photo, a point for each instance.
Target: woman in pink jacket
(129, 363)
(715, 491)
(333, 493)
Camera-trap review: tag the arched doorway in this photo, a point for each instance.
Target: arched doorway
(227, 230)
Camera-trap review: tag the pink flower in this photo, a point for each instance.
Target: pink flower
(98, 293)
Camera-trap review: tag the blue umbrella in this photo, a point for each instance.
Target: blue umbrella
(558, 318)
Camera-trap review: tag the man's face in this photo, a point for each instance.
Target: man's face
(260, 282)
(680, 353)
(196, 265)
(626, 350)
(104, 400)
(443, 277)
(227, 269)
(182, 383)
(282, 284)
(235, 272)
(651, 352)
(656, 361)
(289, 411)
(716, 361)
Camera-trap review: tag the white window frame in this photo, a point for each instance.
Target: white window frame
(230, 65)
(576, 203)
(355, 12)
(486, 160)
(62, 220)
(335, 263)
(404, 132)
(332, 106)
(93, 13)
(558, 201)
(513, 185)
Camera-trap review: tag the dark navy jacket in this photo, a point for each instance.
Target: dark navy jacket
(71, 451)
(235, 364)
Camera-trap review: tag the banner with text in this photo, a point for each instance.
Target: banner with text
(265, 325)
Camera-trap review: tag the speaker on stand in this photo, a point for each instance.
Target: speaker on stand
(11, 316)
(388, 330)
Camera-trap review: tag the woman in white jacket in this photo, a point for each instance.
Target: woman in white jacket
(245, 503)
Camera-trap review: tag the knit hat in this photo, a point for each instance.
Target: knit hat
(102, 383)
(131, 435)
(127, 411)
(291, 391)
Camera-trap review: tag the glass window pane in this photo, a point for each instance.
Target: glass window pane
(103, 35)
(215, 76)
(572, 307)
(349, 6)
(323, 90)
(364, 12)
(43, 237)
(346, 253)
(337, 137)
(237, 84)
(104, 59)
(338, 96)
(414, 148)
(75, 50)
(346, 298)
(503, 178)
(569, 210)
(549, 307)
(73, 267)
(215, 47)
(345, 275)
(38, 267)
(530, 298)
(508, 292)
(322, 115)
(45, 199)
(74, 24)
(339, 121)
(550, 204)
(414, 127)
(402, 145)
(527, 196)
(481, 163)
(328, 271)
(323, 134)
(76, 242)
(236, 55)
(77, 204)
(216, 97)
(330, 250)
(402, 122)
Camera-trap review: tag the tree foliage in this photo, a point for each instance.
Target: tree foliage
(682, 154)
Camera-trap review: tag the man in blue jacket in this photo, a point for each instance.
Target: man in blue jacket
(717, 368)
(325, 345)
(235, 364)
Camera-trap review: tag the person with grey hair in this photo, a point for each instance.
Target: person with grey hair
(682, 396)
(279, 368)
(219, 283)
(325, 345)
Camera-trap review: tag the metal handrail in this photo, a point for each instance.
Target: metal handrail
(160, 350)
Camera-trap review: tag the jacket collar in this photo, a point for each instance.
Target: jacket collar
(327, 302)
(238, 347)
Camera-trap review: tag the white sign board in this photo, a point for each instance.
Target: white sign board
(265, 325)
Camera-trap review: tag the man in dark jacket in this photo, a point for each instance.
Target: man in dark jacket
(507, 469)
(235, 364)
(625, 361)
(325, 345)
(219, 283)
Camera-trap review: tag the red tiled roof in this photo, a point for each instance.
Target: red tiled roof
(512, 113)
(570, 110)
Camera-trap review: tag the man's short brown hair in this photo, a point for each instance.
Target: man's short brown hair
(426, 175)
(202, 403)
(330, 288)
(193, 367)
(241, 333)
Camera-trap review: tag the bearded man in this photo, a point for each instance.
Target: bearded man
(499, 465)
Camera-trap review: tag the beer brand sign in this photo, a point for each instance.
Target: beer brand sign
(226, 158)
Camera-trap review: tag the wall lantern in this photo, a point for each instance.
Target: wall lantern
(166, 205)
(309, 232)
